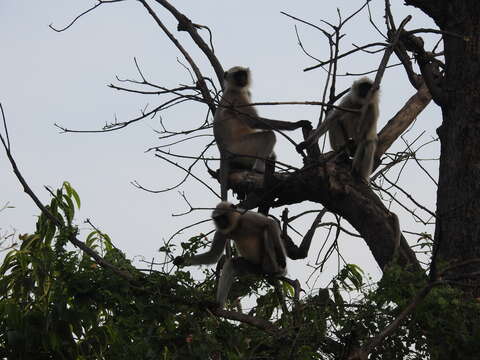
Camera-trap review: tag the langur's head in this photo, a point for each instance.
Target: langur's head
(238, 78)
(226, 217)
(360, 89)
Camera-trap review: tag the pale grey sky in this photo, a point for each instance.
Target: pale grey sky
(48, 77)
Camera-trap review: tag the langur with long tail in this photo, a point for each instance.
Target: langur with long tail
(354, 131)
(257, 239)
(244, 139)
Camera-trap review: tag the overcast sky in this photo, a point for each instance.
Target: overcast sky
(48, 77)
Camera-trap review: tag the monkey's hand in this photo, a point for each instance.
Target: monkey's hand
(179, 261)
(303, 145)
(304, 124)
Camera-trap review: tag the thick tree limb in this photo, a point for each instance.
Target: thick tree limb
(333, 185)
(427, 63)
(434, 9)
(402, 119)
(415, 79)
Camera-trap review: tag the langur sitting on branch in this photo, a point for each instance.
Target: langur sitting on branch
(238, 129)
(258, 242)
(353, 131)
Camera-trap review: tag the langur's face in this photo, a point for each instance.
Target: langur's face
(241, 78)
(225, 216)
(222, 221)
(364, 88)
(238, 77)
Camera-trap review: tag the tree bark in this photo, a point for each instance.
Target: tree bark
(458, 196)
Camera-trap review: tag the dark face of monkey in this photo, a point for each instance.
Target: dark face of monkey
(225, 217)
(221, 221)
(241, 78)
(364, 88)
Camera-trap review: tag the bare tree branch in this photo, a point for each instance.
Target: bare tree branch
(402, 120)
(200, 78)
(185, 24)
(100, 2)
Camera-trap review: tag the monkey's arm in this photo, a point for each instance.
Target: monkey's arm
(295, 252)
(333, 116)
(209, 257)
(257, 122)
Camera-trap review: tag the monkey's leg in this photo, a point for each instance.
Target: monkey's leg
(267, 140)
(258, 145)
(262, 198)
(231, 268)
(363, 160)
(337, 135)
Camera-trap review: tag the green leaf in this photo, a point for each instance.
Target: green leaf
(91, 238)
(69, 209)
(72, 193)
(50, 233)
(68, 188)
(355, 275)
(288, 288)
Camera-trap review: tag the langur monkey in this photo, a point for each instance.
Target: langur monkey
(258, 242)
(238, 129)
(347, 129)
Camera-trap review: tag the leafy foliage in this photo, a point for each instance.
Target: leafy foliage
(59, 304)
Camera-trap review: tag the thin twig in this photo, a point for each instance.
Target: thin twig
(100, 2)
(200, 79)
